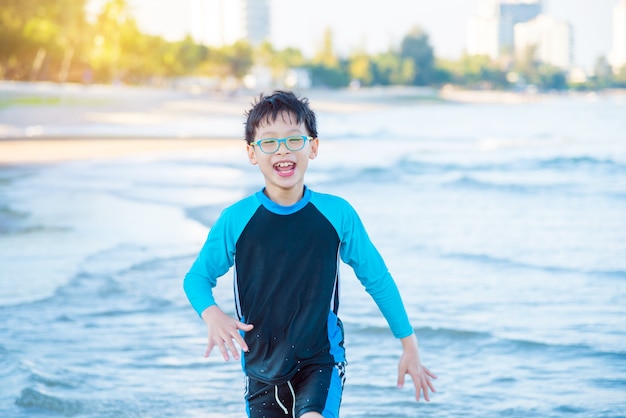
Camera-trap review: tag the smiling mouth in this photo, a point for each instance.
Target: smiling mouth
(285, 168)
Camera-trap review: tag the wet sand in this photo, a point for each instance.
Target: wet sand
(53, 150)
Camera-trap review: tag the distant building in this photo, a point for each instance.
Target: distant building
(549, 40)
(492, 31)
(483, 36)
(224, 22)
(510, 15)
(256, 18)
(617, 56)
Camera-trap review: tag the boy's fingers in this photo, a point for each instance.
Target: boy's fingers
(222, 348)
(428, 372)
(239, 338)
(224, 351)
(425, 392)
(209, 348)
(242, 343)
(232, 348)
(400, 380)
(244, 327)
(431, 386)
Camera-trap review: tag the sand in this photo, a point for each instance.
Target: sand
(53, 150)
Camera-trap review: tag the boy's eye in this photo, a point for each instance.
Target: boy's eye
(269, 141)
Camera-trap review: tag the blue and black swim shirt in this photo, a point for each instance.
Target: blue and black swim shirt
(286, 280)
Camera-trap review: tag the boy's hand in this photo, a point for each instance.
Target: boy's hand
(410, 364)
(222, 331)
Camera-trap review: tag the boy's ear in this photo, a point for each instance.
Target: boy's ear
(251, 154)
(315, 143)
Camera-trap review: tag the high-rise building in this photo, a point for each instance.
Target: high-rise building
(224, 22)
(547, 39)
(617, 56)
(511, 14)
(492, 31)
(211, 22)
(256, 17)
(483, 36)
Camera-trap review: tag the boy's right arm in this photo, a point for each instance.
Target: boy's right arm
(222, 330)
(216, 257)
(214, 260)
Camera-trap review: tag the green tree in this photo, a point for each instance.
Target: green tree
(228, 61)
(475, 71)
(239, 56)
(279, 62)
(333, 77)
(70, 15)
(325, 56)
(360, 68)
(390, 69)
(619, 78)
(36, 35)
(544, 76)
(115, 29)
(416, 47)
(326, 68)
(552, 78)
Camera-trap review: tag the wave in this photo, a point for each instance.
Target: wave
(578, 162)
(496, 340)
(16, 374)
(12, 221)
(515, 264)
(530, 175)
(453, 333)
(12, 370)
(117, 282)
(467, 182)
(522, 164)
(33, 399)
(205, 215)
(489, 340)
(18, 222)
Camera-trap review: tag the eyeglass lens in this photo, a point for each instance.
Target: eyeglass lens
(271, 145)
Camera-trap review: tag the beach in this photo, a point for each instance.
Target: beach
(46, 123)
(502, 223)
(56, 150)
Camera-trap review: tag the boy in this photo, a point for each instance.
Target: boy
(286, 242)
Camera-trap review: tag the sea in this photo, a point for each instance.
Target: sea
(503, 224)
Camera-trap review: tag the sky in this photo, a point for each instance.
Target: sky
(377, 25)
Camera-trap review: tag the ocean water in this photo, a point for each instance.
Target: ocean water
(503, 225)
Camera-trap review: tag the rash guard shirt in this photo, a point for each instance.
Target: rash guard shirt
(286, 279)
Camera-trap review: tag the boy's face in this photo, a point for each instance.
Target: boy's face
(284, 170)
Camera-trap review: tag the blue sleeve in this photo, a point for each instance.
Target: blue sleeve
(358, 251)
(217, 254)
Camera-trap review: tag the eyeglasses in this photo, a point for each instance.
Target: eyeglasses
(271, 145)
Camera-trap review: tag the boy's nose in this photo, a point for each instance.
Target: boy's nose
(282, 148)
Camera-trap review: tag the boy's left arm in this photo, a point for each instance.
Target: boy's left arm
(358, 251)
(410, 364)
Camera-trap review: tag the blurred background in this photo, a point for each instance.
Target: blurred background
(219, 44)
(482, 142)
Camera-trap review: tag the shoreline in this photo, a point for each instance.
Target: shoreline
(43, 123)
(40, 150)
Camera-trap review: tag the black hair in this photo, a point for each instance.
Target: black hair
(267, 108)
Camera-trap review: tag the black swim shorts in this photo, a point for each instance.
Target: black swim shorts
(312, 389)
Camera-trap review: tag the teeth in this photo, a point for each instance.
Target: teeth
(282, 165)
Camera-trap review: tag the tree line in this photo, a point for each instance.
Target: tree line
(56, 41)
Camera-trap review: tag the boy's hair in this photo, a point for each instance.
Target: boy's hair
(267, 109)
